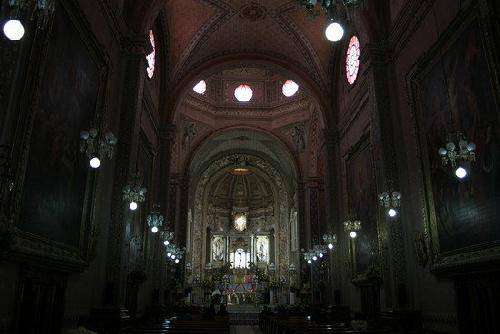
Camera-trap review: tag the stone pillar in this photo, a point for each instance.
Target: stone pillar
(384, 121)
(333, 203)
(134, 51)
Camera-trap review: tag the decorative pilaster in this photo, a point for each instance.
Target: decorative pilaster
(134, 51)
(383, 121)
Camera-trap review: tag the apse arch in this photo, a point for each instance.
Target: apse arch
(198, 212)
(276, 149)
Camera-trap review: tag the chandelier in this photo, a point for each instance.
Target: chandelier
(134, 193)
(174, 253)
(352, 227)
(167, 237)
(155, 219)
(240, 222)
(334, 31)
(391, 201)
(310, 256)
(96, 146)
(330, 240)
(458, 153)
(13, 28)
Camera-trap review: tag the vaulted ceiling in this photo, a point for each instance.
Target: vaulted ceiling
(203, 30)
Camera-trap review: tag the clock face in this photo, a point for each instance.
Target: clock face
(352, 60)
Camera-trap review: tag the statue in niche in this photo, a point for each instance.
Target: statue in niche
(189, 134)
(298, 137)
(218, 249)
(262, 246)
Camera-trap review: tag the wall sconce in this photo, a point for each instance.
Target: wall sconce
(134, 193)
(352, 227)
(458, 153)
(391, 201)
(96, 146)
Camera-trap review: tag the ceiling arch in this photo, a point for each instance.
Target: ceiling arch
(244, 140)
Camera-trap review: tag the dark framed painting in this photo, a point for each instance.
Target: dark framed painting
(362, 203)
(455, 89)
(55, 206)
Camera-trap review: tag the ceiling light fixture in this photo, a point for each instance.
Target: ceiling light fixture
(335, 30)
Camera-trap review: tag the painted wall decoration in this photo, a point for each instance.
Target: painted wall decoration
(362, 196)
(55, 180)
(458, 96)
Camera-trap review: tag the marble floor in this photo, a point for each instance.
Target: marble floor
(237, 329)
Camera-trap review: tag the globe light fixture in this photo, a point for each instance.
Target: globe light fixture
(289, 88)
(458, 153)
(133, 206)
(353, 234)
(172, 256)
(392, 213)
(461, 172)
(176, 261)
(334, 32)
(166, 242)
(169, 254)
(95, 162)
(330, 246)
(320, 255)
(13, 29)
(154, 229)
(315, 258)
(309, 261)
(243, 93)
(200, 87)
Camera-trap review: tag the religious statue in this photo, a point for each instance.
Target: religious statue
(298, 136)
(189, 134)
(262, 249)
(218, 249)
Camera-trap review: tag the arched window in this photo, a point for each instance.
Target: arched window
(151, 57)
(352, 60)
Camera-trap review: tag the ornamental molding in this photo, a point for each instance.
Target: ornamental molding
(269, 112)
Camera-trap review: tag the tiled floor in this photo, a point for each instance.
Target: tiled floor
(245, 330)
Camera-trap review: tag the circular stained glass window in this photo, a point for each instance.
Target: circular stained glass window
(352, 60)
(151, 57)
